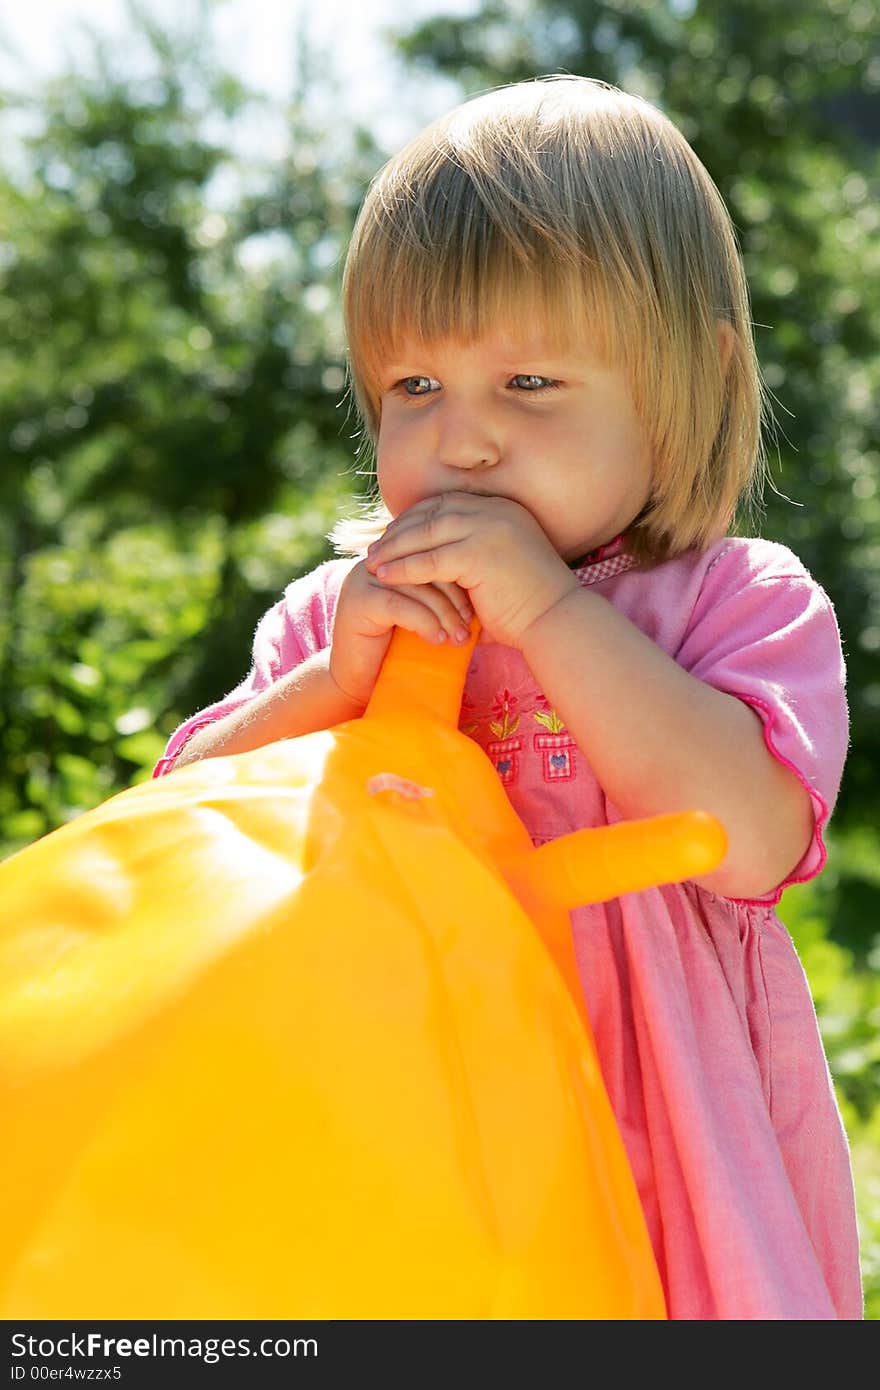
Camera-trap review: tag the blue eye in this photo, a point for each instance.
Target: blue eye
(419, 385)
(527, 381)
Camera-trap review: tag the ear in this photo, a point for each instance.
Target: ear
(726, 340)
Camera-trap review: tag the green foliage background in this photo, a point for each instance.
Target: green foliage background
(175, 439)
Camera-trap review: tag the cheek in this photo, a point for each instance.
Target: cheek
(397, 481)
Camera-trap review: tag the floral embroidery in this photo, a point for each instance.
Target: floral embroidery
(557, 756)
(555, 746)
(504, 753)
(500, 720)
(546, 716)
(506, 722)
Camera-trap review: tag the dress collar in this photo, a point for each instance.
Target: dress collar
(603, 562)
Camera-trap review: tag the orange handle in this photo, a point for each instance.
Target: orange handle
(593, 866)
(416, 675)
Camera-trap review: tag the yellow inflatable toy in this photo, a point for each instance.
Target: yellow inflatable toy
(298, 1034)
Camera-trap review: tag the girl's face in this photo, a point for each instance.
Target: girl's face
(509, 416)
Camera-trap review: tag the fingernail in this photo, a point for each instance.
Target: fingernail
(462, 635)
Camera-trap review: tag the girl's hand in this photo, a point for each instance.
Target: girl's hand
(491, 547)
(368, 610)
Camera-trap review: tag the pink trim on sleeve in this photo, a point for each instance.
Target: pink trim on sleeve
(813, 860)
(181, 737)
(762, 630)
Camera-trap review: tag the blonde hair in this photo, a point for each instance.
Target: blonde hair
(570, 203)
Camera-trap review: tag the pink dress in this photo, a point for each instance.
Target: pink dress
(703, 1018)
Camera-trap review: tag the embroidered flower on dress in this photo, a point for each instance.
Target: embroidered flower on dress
(506, 722)
(546, 715)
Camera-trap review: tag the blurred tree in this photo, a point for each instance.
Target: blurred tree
(778, 101)
(172, 448)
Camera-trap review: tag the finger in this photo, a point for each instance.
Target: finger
(417, 512)
(448, 603)
(444, 607)
(460, 600)
(444, 564)
(435, 521)
(424, 611)
(451, 500)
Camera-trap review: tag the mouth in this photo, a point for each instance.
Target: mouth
(475, 492)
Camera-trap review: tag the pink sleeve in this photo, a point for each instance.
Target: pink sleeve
(767, 634)
(298, 625)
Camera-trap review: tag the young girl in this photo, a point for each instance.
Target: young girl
(551, 349)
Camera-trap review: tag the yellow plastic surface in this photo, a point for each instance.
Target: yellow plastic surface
(298, 1034)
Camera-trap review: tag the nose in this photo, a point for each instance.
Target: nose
(468, 440)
